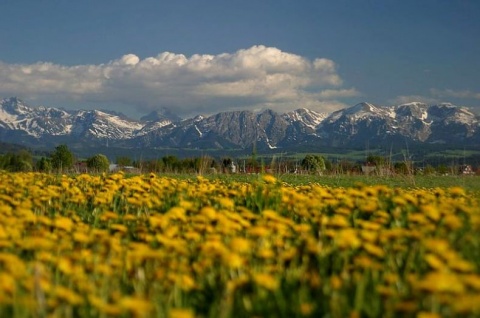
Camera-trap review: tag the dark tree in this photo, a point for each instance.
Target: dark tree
(124, 161)
(44, 165)
(98, 163)
(17, 162)
(313, 163)
(62, 158)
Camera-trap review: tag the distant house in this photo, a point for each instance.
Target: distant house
(80, 167)
(369, 168)
(466, 170)
(127, 169)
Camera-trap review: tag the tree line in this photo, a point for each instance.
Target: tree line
(62, 160)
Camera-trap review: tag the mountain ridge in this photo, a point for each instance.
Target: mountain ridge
(359, 124)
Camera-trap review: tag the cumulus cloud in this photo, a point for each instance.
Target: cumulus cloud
(254, 78)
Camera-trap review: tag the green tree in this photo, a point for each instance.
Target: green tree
(124, 161)
(170, 163)
(62, 158)
(313, 163)
(401, 167)
(98, 163)
(44, 165)
(376, 160)
(17, 162)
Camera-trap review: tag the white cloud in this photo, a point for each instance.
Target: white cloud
(252, 78)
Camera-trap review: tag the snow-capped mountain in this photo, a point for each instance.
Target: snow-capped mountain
(39, 123)
(417, 122)
(350, 127)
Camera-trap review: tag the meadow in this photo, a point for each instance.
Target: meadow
(259, 246)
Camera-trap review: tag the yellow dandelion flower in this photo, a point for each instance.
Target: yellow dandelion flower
(461, 265)
(431, 211)
(233, 260)
(472, 280)
(452, 221)
(457, 191)
(265, 253)
(367, 225)
(306, 309)
(268, 178)
(426, 314)
(441, 282)
(266, 281)
(336, 282)
(119, 228)
(240, 245)
(438, 246)
(63, 223)
(385, 290)
(177, 213)
(466, 305)
(81, 237)
(434, 262)
(259, 231)
(103, 306)
(374, 250)
(209, 212)
(369, 236)
(181, 313)
(347, 238)
(338, 221)
(68, 295)
(136, 305)
(226, 203)
(186, 282)
(7, 284)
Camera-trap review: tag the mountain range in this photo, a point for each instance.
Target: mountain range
(352, 127)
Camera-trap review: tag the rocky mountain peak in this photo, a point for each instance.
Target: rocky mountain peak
(161, 114)
(349, 127)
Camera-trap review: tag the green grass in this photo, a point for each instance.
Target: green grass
(470, 183)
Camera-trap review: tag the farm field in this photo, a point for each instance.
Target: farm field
(238, 246)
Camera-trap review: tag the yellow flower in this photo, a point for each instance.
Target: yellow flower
(7, 284)
(425, 314)
(226, 203)
(186, 282)
(335, 282)
(266, 281)
(431, 211)
(452, 221)
(240, 245)
(306, 309)
(338, 221)
(347, 238)
(434, 262)
(441, 282)
(119, 228)
(68, 295)
(181, 313)
(374, 250)
(136, 305)
(457, 191)
(209, 213)
(268, 178)
(63, 223)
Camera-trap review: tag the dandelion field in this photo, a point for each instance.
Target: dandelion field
(151, 246)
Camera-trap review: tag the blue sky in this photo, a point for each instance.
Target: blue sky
(208, 56)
